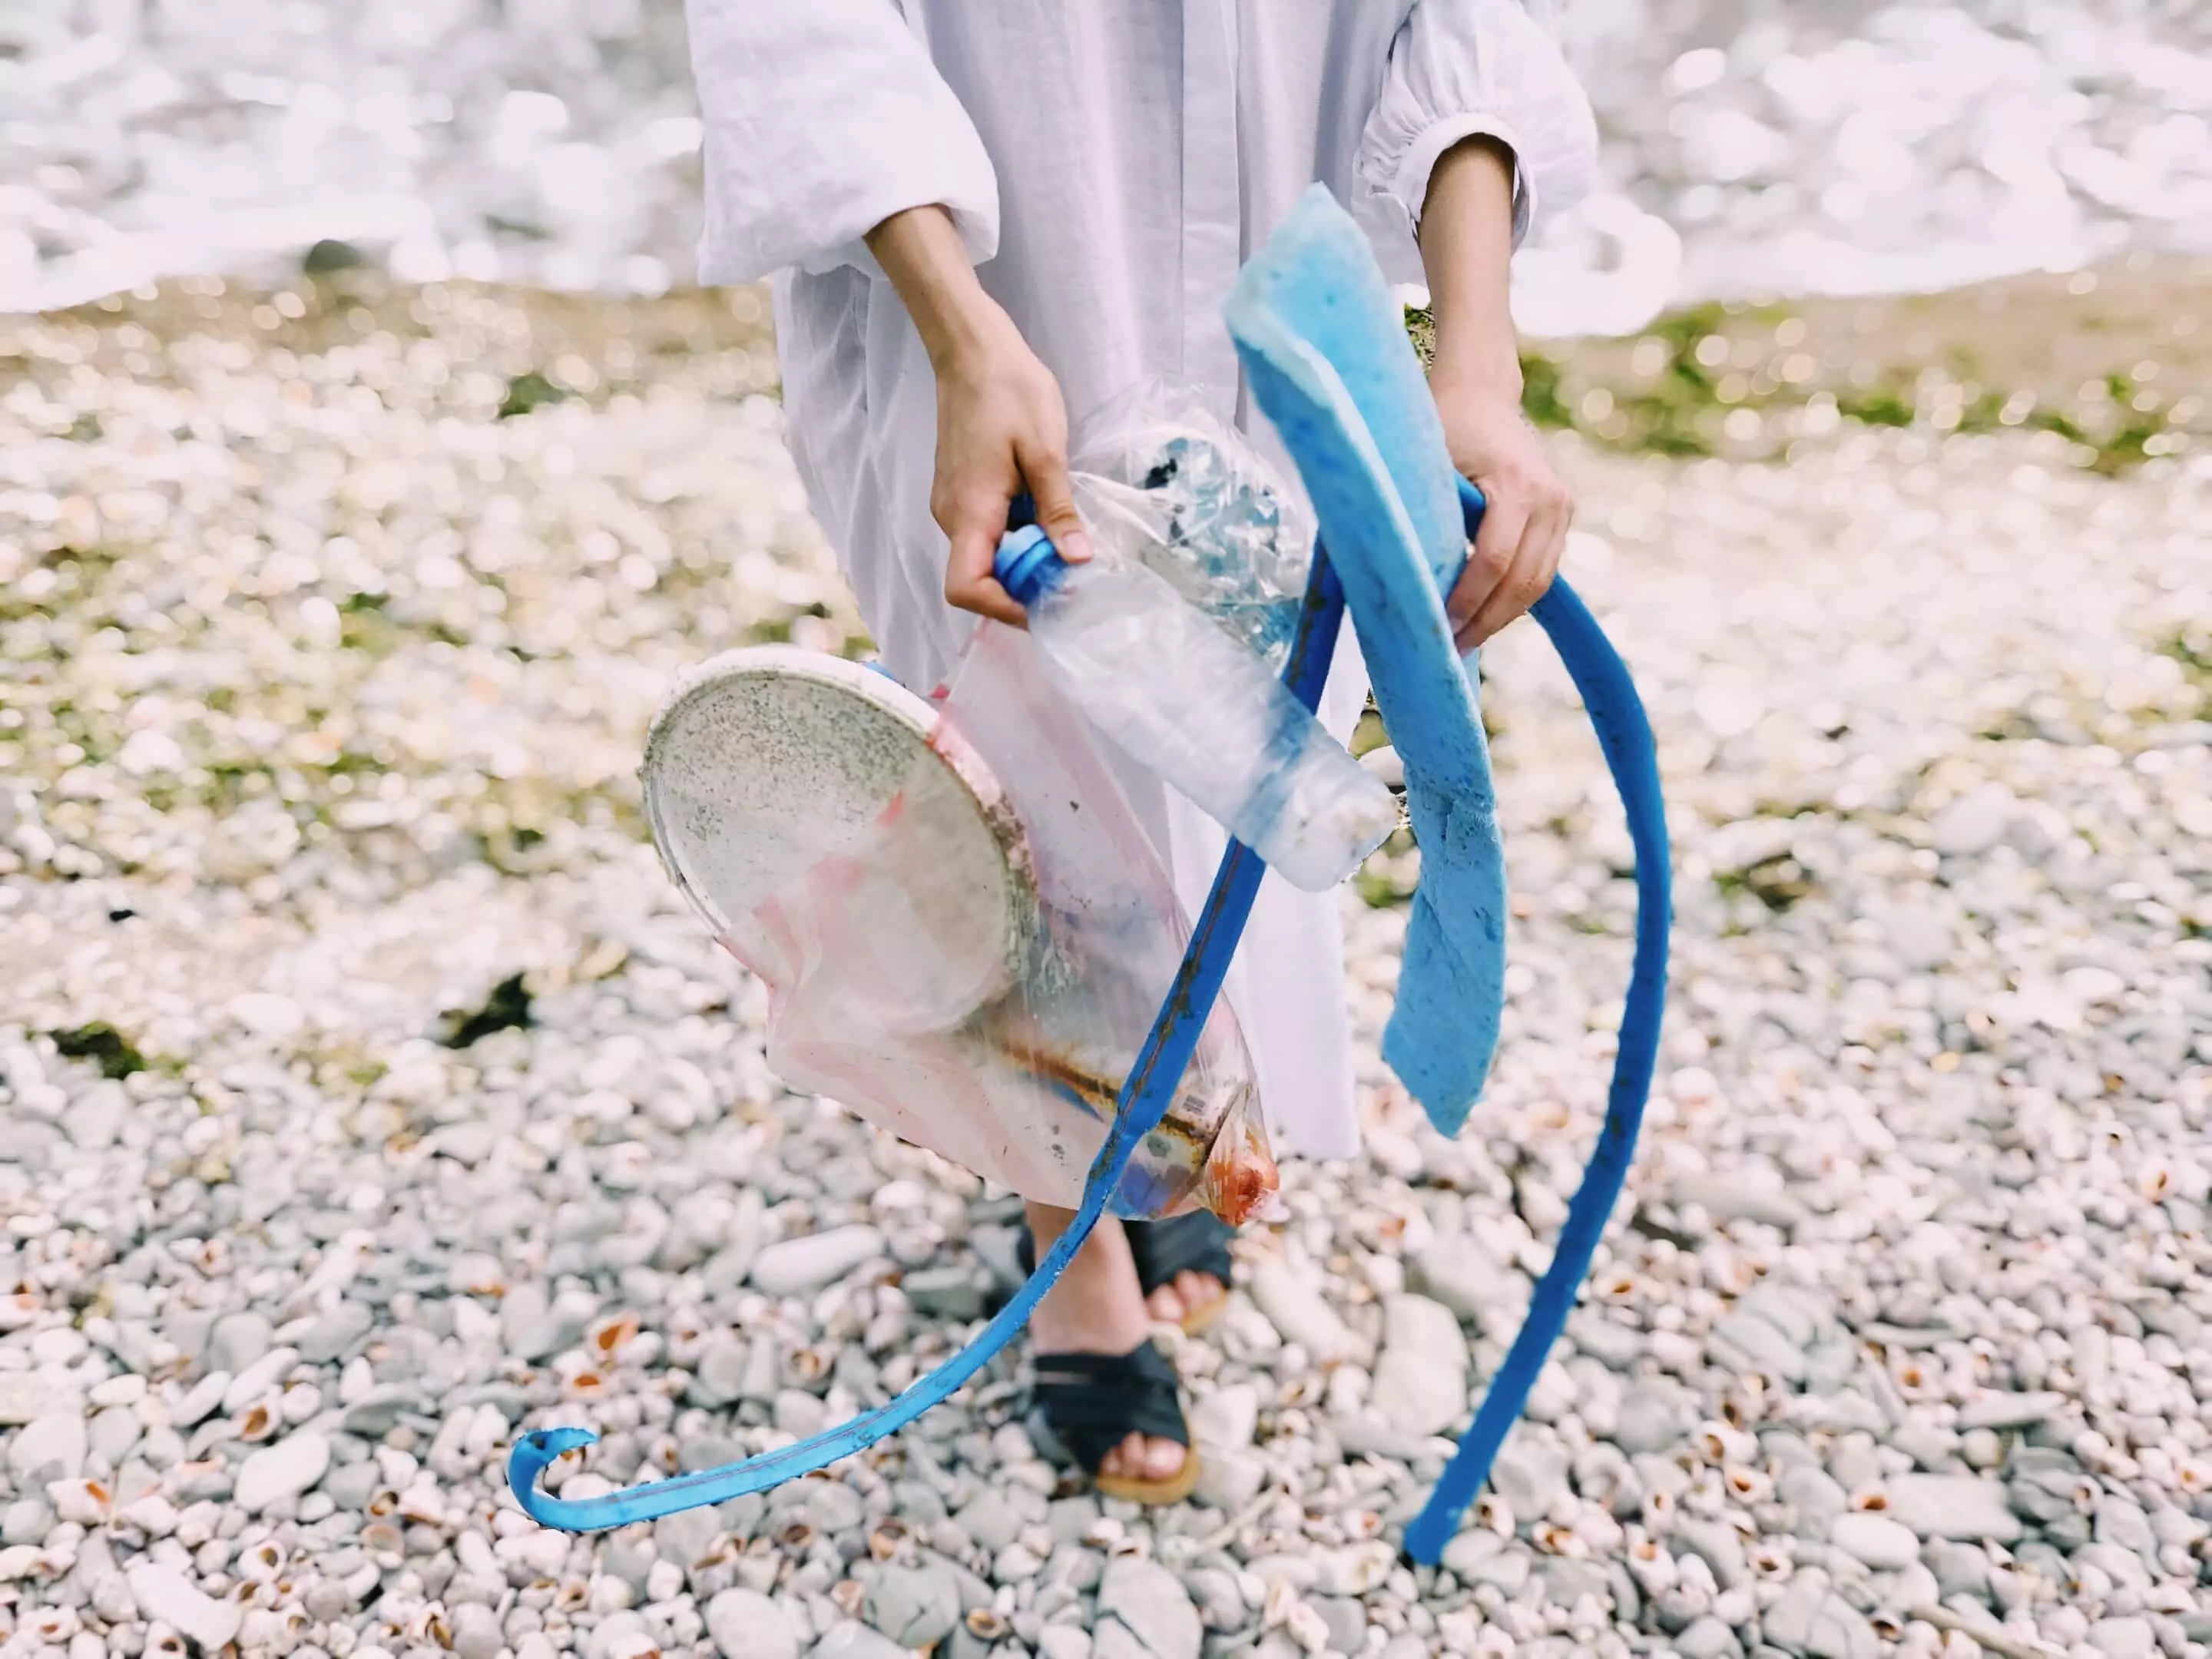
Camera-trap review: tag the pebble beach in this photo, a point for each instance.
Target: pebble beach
(367, 1094)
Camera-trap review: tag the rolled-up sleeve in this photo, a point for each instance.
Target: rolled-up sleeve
(1464, 69)
(823, 118)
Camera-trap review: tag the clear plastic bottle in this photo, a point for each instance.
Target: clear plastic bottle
(1163, 682)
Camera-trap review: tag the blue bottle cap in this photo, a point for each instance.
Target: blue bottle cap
(1027, 564)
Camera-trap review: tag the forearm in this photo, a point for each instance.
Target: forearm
(1466, 250)
(922, 255)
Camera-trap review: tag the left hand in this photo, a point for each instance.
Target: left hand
(1524, 530)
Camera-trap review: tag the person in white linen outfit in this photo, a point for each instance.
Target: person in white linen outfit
(981, 214)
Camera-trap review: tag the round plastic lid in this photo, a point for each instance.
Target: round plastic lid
(767, 760)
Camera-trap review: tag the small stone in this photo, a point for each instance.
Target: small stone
(1811, 1622)
(238, 1341)
(990, 1520)
(1974, 823)
(1227, 1418)
(377, 1413)
(1718, 1545)
(1759, 1343)
(1294, 1305)
(333, 1335)
(1816, 1497)
(26, 1397)
(2009, 1410)
(290, 1468)
(1653, 1416)
(1063, 1641)
(201, 1400)
(1960, 1569)
(1344, 1621)
(744, 1624)
(1354, 1569)
(915, 1606)
(52, 1447)
(1420, 1379)
(166, 1596)
(686, 1537)
(2131, 1637)
(955, 1292)
(1727, 1198)
(1707, 1638)
(1466, 1551)
(476, 1632)
(718, 1378)
(1875, 1541)
(1228, 1481)
(1530, 1475)
(833, 1507)
(353, 1485)
(1147, 1603)
(534, 1326)
(25, 1521)
(1959, 1506)
(846, 1640)
(1567, 1580)
(793, 1267)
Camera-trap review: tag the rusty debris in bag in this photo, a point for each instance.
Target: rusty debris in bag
(963, 931)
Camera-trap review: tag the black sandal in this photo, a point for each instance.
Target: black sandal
(1195, 1242)
(1094, 1402)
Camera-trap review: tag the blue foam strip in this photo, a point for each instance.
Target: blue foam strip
(1324, 348)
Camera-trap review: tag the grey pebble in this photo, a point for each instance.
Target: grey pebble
(1718, 1545)
(476, 1632)
(915, 1606)
(1707, 1638)
(238, 1341)
(334, 1334)
(744, 1624)
(846, 1640)
(52, 1447)
(1146, 1602)
(1530, 1474)
(1345, 1618)
(990, 1520)
(1653, 1417)
(1959, 1506)
(717, 1378)
(1809, 1621)
(793, 1267)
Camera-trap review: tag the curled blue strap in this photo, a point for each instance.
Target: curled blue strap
(1144, 1098)
(1624, 734)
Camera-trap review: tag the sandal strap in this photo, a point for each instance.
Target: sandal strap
(1094, 1402)
(1196, 1243)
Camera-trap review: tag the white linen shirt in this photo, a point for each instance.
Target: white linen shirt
(1111, 164)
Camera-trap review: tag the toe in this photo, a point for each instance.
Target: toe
(1199, 1289)
(1166, 1303)
(1130, 1460)
(1164, 1459)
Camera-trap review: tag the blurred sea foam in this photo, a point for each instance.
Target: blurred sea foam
(1753, 146)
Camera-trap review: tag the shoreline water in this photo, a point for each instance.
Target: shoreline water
(1749, 147)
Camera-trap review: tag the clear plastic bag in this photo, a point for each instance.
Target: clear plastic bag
(1160, 481)
(970, 950)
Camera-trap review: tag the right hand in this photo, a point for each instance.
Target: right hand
(1001, 428)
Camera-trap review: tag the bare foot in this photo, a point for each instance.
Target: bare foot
(1096, 1308)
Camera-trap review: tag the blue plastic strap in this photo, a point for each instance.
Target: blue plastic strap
(1143, 1101)
(1624, 734)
